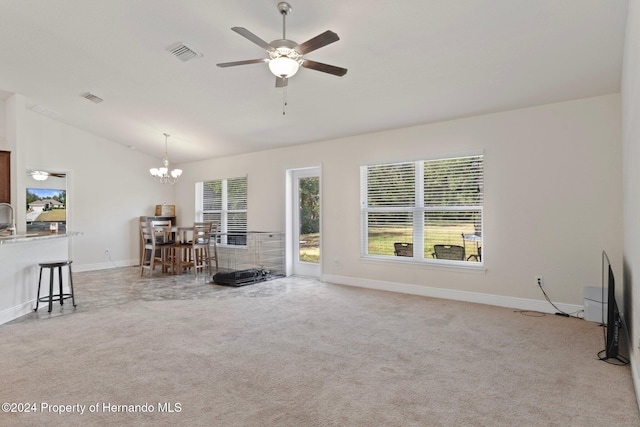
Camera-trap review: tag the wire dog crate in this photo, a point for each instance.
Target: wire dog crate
(252, 257)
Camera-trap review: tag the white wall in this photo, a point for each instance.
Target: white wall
(553, 192)
(108, 186)
(630, 295)
(553, 196)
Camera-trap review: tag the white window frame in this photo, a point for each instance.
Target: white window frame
(418, 211)
(224, 212)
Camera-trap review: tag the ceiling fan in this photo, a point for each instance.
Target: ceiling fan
(39, 175)
(286, 56)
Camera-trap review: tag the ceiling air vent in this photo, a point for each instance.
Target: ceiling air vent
(183, 52)
(93, 98)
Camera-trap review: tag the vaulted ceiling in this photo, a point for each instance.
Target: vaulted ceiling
(409, 62)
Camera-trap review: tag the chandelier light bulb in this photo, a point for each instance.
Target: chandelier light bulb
(163, 174)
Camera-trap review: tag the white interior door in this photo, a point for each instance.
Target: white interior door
(306, 233)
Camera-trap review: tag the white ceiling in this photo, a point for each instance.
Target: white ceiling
(409, 62)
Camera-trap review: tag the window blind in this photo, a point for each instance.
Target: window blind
(225, 201)
(423, 203)
(388, 198)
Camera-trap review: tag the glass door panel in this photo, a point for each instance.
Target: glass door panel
(309, 214)
(306, 236)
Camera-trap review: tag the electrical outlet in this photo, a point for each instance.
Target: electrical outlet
(106, 252)
(539, 281)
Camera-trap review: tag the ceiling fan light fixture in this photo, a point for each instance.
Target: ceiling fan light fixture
(285, 55)
(40, 175)
(284, 67)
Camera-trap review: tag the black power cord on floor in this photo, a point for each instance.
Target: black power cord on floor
(559, 312)
(618, 360)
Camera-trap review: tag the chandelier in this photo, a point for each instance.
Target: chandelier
(163, 174)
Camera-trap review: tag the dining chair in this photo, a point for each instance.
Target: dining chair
(142, 243)
(166, 235)
(201, 246)
(212, 251)
(156, 223)
(194, 248)
(157, 249)
(159, 224)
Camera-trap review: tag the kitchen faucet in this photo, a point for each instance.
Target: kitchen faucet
(12, 224)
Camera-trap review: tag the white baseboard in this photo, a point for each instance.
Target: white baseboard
(105, 265)
(452, 294)
(635, 376)
(14, 312)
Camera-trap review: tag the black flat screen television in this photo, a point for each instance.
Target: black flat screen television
(611, 314)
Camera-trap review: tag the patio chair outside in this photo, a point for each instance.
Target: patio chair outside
(454, 252)
(403, 249)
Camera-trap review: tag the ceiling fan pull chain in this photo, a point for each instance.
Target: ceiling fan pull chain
(284, 100)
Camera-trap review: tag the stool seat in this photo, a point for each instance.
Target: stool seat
(60, 296)
(54, 264)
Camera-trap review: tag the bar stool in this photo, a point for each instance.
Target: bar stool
(59, 296)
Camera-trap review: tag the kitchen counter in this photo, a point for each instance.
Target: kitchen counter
(30, 237)
(19, 270)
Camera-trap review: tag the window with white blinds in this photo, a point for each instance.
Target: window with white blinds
(225, 201)
(427, 210)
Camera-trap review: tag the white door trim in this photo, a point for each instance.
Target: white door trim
(293, 266)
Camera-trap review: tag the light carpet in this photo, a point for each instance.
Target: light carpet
(299, 352)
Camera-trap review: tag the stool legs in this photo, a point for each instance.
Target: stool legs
(73, 298)
(51, 290)
(38, 297)
(61, 296)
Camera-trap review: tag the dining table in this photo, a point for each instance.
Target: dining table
(183, 256)
(180, 235)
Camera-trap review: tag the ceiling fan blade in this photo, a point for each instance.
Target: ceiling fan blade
(325, 68)
(317, 42)
(248, 61)
(281, 81)
(253, 38)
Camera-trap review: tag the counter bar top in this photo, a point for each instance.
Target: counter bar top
(30, 237)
